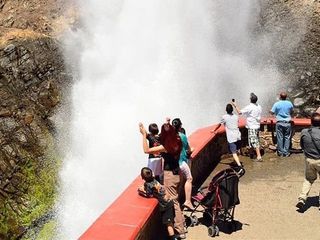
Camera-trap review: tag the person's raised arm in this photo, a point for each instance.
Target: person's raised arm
(233, 103)
(145, 145)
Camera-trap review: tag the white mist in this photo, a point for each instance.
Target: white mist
(143, 61)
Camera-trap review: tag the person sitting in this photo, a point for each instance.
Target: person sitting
(152, 188)
(183, 162)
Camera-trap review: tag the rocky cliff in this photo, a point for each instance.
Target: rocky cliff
(294, 27)
(34, 82)
(32, 76)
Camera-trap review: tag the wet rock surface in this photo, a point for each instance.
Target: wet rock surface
(31, 76)
(33, 83)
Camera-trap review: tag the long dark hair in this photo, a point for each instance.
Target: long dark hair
(170, 140)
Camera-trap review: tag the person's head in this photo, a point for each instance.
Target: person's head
(315, 119)
(146, 174)
(176, 123)
(170, 140)
(283, 96)
(229, 108)
(253, 98)
(153, 129)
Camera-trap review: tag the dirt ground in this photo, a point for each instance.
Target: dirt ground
(268, 193)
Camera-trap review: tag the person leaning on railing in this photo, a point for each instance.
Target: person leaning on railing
(170, 149)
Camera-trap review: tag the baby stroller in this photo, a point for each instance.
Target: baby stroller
(218, 201)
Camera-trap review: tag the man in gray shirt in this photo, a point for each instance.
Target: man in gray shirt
(310, 144)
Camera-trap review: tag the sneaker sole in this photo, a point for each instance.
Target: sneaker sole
(300, 205)
(256, 160)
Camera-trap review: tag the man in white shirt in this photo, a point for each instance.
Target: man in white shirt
(252, 113)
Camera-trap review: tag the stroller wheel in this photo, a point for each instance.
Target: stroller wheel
(213, 231)
(194, 220)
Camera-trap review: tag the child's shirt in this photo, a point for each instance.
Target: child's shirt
(154, 141)
(155, 189)
(230, 122)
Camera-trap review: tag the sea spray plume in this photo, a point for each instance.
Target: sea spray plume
(142, 61)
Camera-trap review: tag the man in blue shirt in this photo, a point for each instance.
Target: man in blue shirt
(283, 110)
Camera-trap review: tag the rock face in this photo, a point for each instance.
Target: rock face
(32, 76)
(293, 27)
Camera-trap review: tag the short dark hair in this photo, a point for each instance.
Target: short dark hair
(176, 123)
(315, 119)
(253, 98)
(146, 174)
(153, 128)
(229, 108)
(283, 96)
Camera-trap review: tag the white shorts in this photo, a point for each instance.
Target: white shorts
(184, 167)
(155, 164)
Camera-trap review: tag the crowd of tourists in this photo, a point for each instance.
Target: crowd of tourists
(169, 153)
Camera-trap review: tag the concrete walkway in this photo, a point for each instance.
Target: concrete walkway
(268, 193)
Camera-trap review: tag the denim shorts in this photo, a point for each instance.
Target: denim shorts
(233, 147)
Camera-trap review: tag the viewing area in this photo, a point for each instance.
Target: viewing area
(268, 193)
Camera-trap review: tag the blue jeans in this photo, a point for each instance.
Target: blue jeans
(283, 131)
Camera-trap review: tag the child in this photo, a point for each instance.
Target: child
(152, 188)
(230, 121)
(183, 162)
(154, 160)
